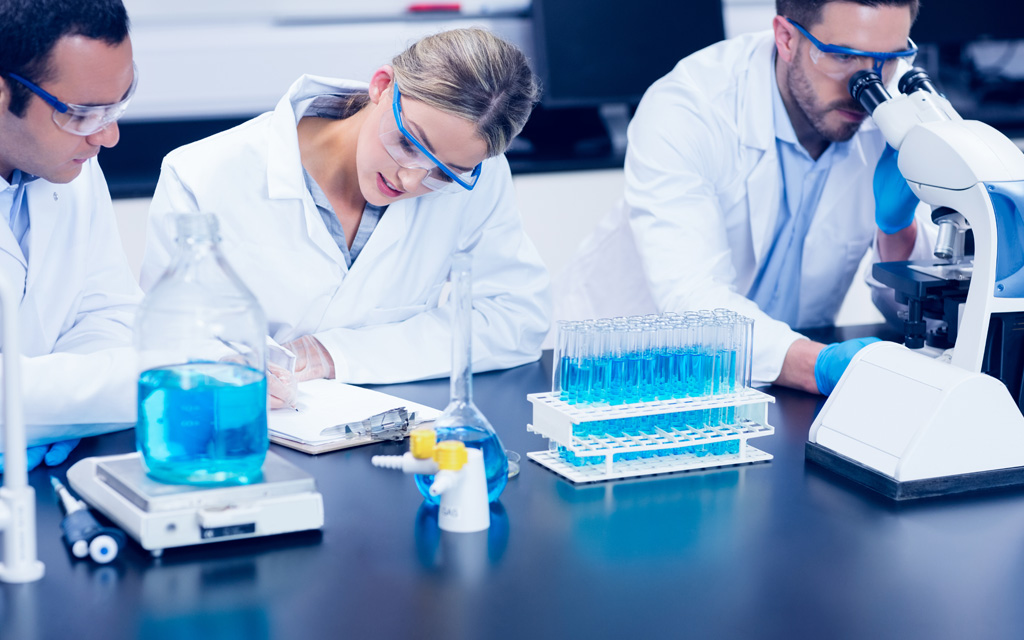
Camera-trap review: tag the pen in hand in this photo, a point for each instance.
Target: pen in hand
(282, 387)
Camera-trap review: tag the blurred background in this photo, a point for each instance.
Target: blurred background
(208, 65)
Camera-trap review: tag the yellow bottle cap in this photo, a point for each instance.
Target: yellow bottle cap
(451, 455)
(421, 443)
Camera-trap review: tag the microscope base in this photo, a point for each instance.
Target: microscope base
(912, 489)
(908, 426)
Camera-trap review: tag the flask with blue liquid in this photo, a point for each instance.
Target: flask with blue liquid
(461, 420)
(201, 340)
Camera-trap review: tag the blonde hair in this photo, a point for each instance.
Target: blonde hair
(472, 74)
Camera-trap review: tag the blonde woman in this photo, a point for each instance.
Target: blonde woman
(342, 207)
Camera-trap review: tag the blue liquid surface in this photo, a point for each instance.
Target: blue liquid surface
(203, 423)
(495, 460)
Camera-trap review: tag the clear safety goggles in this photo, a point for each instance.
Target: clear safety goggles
(410, 153)
(840, 63)
(79, 119)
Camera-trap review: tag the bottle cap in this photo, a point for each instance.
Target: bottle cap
(103, 548)
(196, 226)
(80, 548)
(451, 455)
(421, 443)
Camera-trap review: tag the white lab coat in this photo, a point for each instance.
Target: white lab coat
(78, 370)
(702, 195)
(380, 320)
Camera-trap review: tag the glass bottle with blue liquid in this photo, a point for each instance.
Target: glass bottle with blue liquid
(461, 420)
(201, 341)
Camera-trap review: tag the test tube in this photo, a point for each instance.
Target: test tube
(680, 358)
(738, 340)
(617, 355)
(636, 364)
(747, 351)
(560, 368)
(739, 336)
(612, 428)
(599, 372)
(706, 381)
(733, 363)
(586, 351)
(571, 385)
(702, 364)
(690, 365)
(718, 339)
(581, 350)
(663, 360)
(648, 353)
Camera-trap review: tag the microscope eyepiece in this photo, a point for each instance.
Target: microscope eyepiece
(916, 80)
(866, 88)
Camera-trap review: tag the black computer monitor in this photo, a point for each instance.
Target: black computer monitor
(958, 22)
(981, 83)
(594, 52)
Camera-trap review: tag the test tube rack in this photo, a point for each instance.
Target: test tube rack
(633, 455)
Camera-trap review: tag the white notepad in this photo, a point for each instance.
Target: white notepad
(323, 404)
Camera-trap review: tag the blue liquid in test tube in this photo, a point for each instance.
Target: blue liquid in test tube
(641, 359)
(599, 369)
(562, 360)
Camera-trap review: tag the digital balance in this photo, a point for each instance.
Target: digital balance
(161, 516)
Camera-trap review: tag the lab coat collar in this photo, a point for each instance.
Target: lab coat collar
(757, 132)
(284, 166)
(784, 130)
(756, 123)
(8, 243)
(47, 203)
(18, 177)
(284, 170)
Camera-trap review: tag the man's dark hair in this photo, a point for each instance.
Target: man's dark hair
(808, 12)
(29, 29)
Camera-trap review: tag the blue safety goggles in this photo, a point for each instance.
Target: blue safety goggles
(79, 119)
(842, 62)
(408, 152)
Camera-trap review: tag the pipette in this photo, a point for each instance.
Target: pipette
(82, 533)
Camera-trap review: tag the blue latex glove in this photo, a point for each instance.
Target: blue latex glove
(833, 360)
(894, 201)
(52, 454)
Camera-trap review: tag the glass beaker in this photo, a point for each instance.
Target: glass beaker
(200, 335)
(461, 420)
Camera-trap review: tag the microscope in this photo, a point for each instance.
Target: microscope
(940, 414)
(938, 289)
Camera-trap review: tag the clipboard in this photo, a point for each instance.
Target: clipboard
(330, 415)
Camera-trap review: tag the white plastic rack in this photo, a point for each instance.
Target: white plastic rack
(626, 456)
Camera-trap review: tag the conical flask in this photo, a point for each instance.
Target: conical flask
(201, 341)
(461, 420)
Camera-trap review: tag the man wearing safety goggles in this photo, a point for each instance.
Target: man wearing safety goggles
(751, 184)
(66, 76)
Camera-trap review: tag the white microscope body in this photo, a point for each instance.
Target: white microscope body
(898, 421)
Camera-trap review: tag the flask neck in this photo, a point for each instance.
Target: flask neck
(462, 330)
(197, 239)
